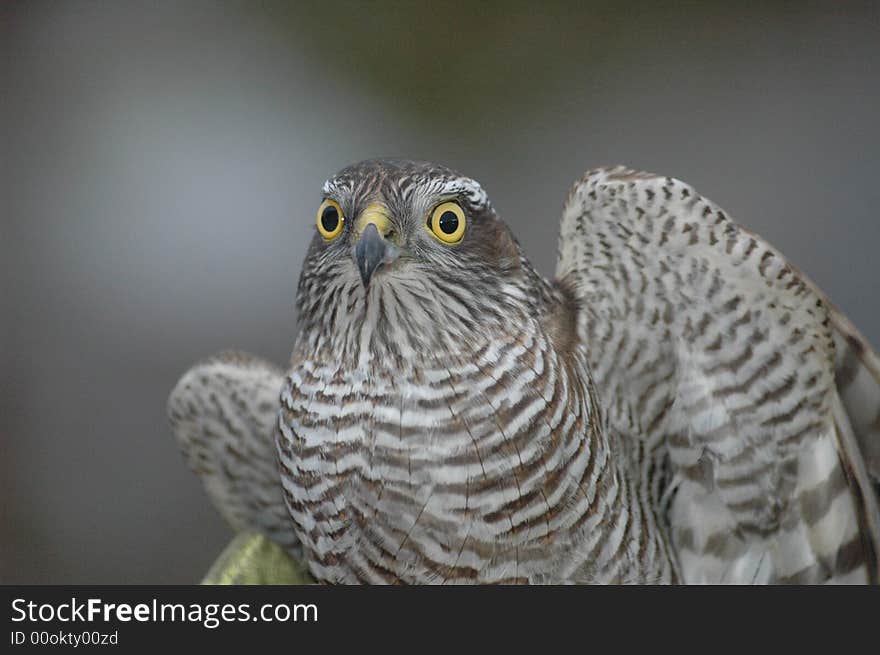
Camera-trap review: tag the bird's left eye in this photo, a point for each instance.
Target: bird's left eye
(330, 219)
(447, 222)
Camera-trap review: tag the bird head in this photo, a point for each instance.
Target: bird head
(417, 242)
(411, 218)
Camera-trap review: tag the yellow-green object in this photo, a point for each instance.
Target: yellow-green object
(252, 559)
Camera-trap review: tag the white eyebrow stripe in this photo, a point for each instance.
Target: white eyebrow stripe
(461, 187)
(420, 184)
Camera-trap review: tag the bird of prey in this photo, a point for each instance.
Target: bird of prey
(679, 404)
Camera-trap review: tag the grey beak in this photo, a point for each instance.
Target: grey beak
(371, 251)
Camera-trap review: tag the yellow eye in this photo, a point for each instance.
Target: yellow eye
(330, 219)
(447, 222)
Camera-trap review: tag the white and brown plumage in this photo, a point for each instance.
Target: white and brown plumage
(678, 405)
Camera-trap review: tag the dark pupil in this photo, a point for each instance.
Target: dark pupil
(329, 218)
(448, 222)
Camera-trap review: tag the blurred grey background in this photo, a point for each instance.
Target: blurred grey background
(161, 165)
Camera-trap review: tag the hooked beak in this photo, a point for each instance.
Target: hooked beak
(373, 248)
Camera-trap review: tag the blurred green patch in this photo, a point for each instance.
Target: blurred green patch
(455, 61)
(251, 559)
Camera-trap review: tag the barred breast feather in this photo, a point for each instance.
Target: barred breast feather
(707, 346)
(488, 467)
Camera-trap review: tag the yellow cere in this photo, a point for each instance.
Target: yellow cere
(447, 223)
(330, 219)
(377, 214)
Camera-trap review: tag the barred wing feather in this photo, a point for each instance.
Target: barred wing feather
(224, 413)
(753, 405)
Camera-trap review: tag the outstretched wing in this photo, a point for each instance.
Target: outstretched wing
(224, 412)
(756, 405)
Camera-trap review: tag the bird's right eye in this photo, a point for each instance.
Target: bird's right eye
(330, 219)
